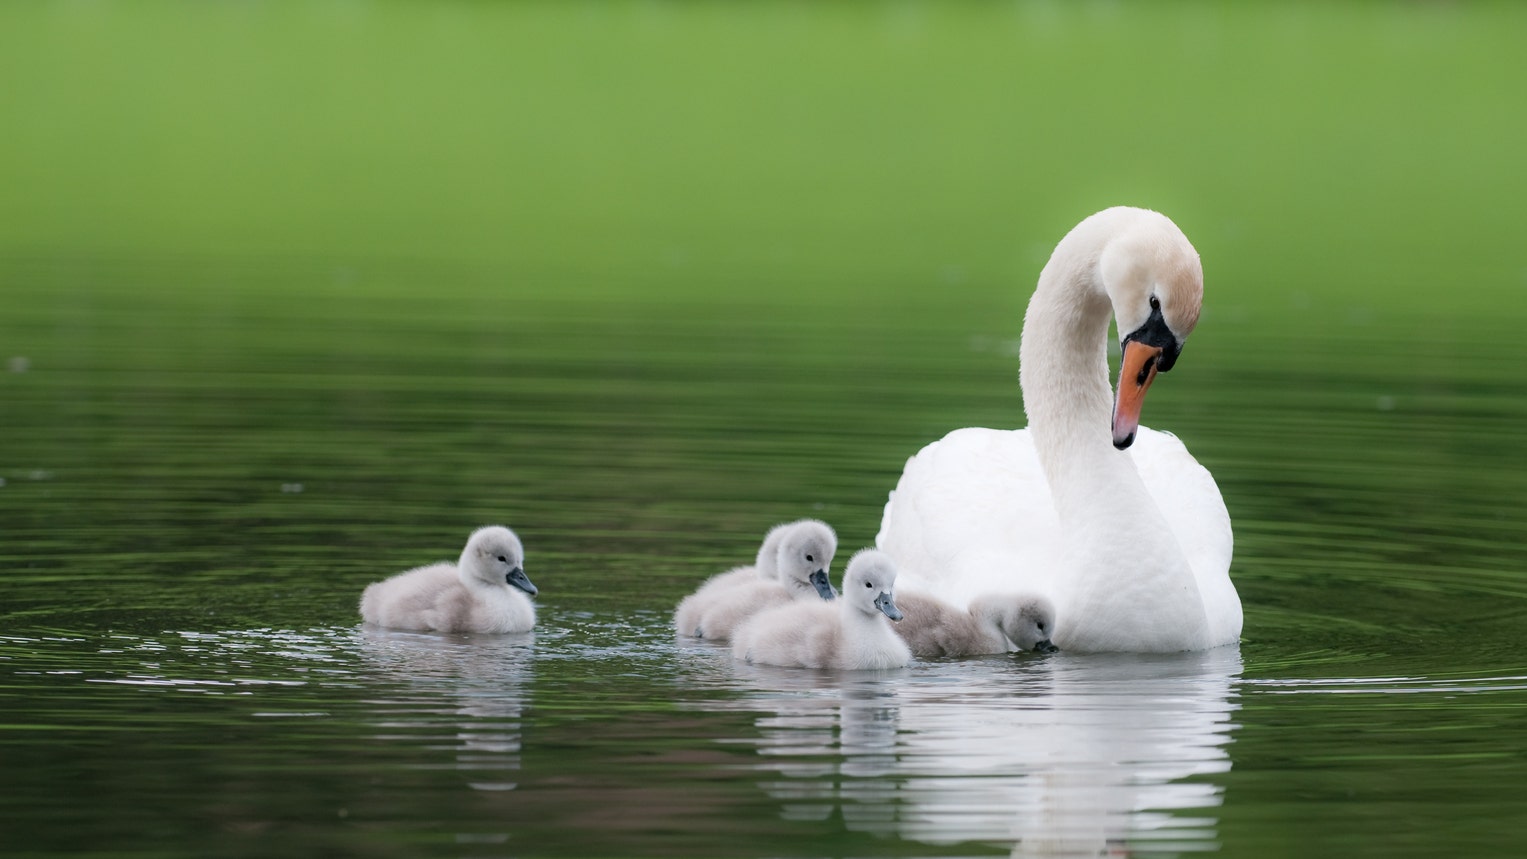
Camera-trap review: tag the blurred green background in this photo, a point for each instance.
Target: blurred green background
(1346, 151)
(292, 294)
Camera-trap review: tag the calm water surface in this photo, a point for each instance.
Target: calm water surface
(204, 464)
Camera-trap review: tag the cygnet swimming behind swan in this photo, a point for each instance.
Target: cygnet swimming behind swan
(792, 565)
(484, 591)
(854, 634)
(995, 623)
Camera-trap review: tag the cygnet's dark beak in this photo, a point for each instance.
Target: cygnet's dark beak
(887, 606)
(517, 578)
(819, 581)
(1045, 647)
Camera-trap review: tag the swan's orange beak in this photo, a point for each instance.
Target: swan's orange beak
(1136, 372)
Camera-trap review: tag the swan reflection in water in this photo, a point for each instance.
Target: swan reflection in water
(463, 693)
(1058, 756)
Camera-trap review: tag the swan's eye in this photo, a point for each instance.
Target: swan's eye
(869, 584)
(1155, 303)
(503, 559)
(809, 558)
(1041, 627)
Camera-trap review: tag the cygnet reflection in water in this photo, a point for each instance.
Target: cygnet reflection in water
(470, 687)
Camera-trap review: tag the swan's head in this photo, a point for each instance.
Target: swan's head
(1156, 284)
(804, 552)
(869, 583)
(1027, 621)
(494, 555)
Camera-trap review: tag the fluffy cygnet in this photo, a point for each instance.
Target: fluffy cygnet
(764, 567)
(854, 634)
(995, 623)
(792, 565)
(484, 591)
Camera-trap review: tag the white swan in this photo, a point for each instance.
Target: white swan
(484, 591)
(994, 623)
(1133, 544)
(851, 635)
(792, 565)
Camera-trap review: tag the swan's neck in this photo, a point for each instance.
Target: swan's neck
(1125, 570)
(1063, 370)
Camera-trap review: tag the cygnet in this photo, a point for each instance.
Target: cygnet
(995, 623)
(854, 634)
(764, 567)
(792, 565)
(484, 591)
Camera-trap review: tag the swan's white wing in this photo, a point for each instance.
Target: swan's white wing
(972, 514)
(1190, 500)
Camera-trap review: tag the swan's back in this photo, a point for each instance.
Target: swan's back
(970, 514)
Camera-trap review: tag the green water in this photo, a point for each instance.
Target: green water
(294, 296)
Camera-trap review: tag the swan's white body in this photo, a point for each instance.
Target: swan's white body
(790, 556)
(853, 634)
(1134, 545)
(474, 594)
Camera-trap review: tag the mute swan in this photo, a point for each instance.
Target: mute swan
(1132, 543)
(484, 591)
(995, 623)
(851, 635)
(792, 565)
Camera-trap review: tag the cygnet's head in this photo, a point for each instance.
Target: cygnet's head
(869, 583)
(1155, 282)
(804, 554)
(1027, 620)
(494, 555)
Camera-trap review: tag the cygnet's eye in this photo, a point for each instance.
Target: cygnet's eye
(1041, 626)
(869, 584)
(1155, 303)
(809, 558)
(503, 559)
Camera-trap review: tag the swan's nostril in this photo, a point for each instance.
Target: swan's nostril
(1145, 371)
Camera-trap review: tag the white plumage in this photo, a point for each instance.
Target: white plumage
(855, 633)
(1132, 544)
(792, 565)
(484, 591)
